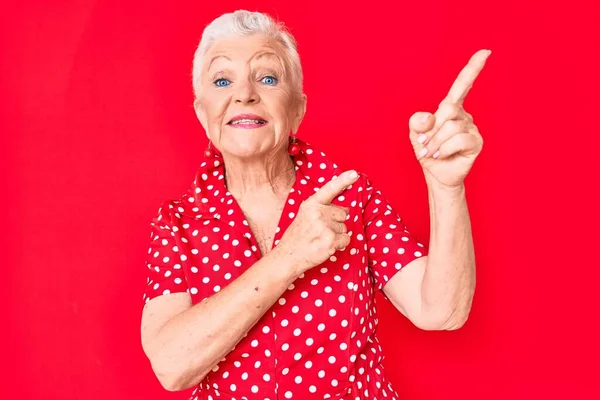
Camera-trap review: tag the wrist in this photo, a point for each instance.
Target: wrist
(288, 261)
(436, 188)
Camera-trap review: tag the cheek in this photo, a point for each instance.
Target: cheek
(216, 107)
(284, 106)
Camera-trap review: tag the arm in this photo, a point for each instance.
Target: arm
(436, 292)
(184, 342)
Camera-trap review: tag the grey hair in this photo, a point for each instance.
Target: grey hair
(246, 23)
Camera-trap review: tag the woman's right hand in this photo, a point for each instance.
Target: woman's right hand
(319, 229)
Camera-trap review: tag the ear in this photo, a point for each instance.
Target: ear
(300, 112)
(200, 114)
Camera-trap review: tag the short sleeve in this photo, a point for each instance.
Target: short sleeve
(164, 270)
(390, 245)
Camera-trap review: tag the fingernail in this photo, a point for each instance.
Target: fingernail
(425, 118)
(423, 152)
(422, 138)
(436, 154)
(353, 174)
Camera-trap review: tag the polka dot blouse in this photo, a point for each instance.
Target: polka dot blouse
(318, 341)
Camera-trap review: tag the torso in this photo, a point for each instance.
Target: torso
(263, 218)
(263, 213)
(318, 340)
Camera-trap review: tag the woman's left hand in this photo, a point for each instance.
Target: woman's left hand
(448, 142)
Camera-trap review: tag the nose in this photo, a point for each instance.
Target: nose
(246, 93)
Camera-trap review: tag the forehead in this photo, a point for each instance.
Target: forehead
(238, 48)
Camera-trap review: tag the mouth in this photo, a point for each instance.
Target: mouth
(247, 121)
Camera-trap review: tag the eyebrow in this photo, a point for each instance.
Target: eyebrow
(260, 55)
(214, 58)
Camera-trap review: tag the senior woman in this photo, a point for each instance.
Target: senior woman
(262, 276)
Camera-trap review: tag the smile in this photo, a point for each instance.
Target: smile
(247, 121)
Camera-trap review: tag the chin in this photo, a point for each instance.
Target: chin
(242, 147)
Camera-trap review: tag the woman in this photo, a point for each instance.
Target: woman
(262, 276)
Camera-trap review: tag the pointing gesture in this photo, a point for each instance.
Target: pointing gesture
(463, 83)
(319, 229)
(448, 142)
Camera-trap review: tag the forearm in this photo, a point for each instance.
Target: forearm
(193, 342)
(449, 280)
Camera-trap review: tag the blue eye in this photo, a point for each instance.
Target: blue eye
(221, 82)
(269, 80)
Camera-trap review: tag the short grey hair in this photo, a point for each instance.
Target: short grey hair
(247, 23)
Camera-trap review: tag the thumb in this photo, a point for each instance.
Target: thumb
(421, 122)
(334, 187)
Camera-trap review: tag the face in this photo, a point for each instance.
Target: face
(247, 101)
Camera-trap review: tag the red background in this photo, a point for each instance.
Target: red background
(98, 129)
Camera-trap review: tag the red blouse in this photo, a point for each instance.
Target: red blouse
(318, 341)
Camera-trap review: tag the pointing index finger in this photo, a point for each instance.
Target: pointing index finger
(463, 83)
(333, 188)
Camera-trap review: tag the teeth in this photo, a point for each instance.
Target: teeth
(247, 121)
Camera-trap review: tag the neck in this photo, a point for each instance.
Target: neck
(273, 175)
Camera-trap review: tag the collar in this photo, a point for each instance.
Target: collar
(208, 197)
